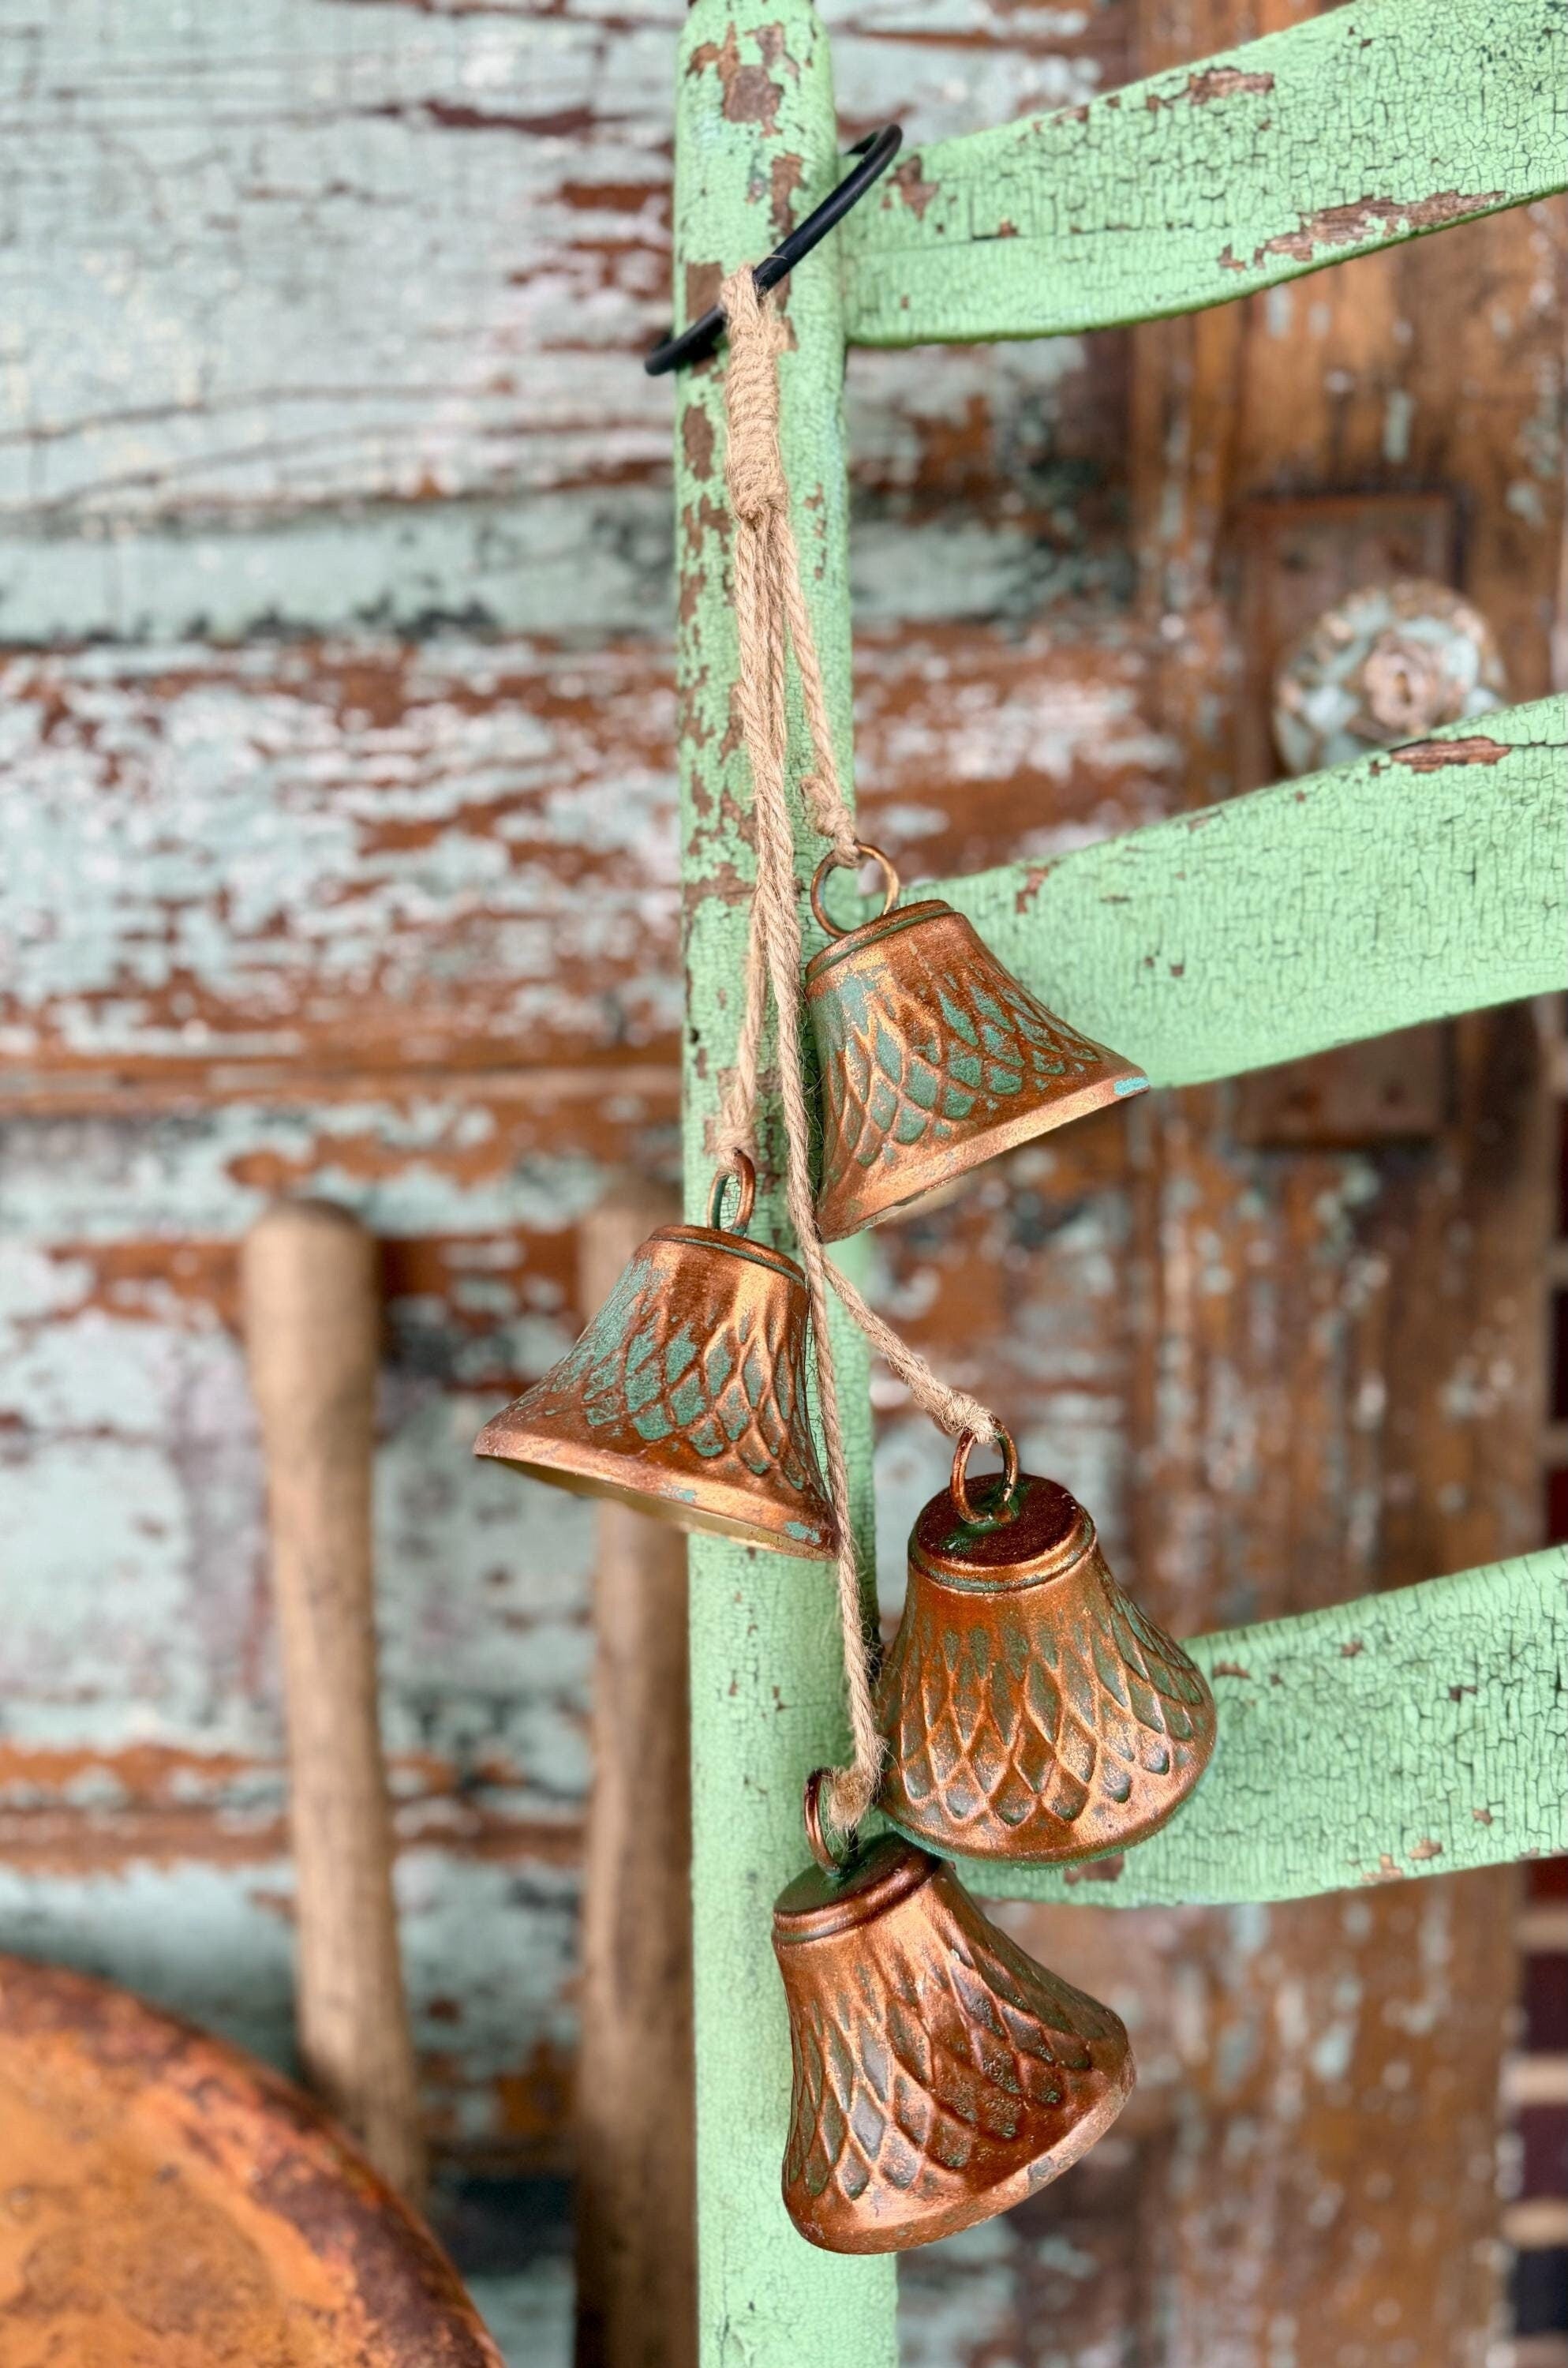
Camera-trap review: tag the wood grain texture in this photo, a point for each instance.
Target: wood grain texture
(1424, 1732)
(1413, 884)
(320, 860)
(633, 2110)
(312, 1318)
(232, 430)
(1276, 1380)
(1359, 127)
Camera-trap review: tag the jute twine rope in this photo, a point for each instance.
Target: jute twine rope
(771, 615)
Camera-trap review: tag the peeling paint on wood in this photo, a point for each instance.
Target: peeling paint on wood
(1440, 1739)
(1188, 189)
(193, 422)
(374, 857)
(1177, 943)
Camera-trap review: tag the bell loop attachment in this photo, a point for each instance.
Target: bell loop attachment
(831, 1860)
(1005, 1505)
(740, 1171)
(832, 861)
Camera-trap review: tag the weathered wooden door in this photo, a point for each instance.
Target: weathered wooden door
(340, 855)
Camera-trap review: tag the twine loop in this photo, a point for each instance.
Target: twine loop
(771, 617)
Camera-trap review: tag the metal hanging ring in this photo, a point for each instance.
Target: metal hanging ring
(739, 1172)
(831, 1861)
(868, 854)
(959, 1484)
(876, 152)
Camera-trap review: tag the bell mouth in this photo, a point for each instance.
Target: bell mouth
(1046, 1533)
(864, 1197)
(817, 1905)
(727, 1510)
(872, 933)
(1011, 2187)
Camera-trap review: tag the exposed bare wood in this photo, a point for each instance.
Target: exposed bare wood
(634, 2102)
(311, 1333)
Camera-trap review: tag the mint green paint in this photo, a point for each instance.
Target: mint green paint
(1316, 913)
(766, 1667)
(1363, 126)
(1414, 1733)
(1327, 909)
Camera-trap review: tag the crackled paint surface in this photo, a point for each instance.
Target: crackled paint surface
(1424, 1731)
(1171, 943)
(1187, 190)
(1281, 1335)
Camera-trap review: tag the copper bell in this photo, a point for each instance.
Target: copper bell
(1033, 1713)
(940, 2075)
(686, 1394)
(933, 1058)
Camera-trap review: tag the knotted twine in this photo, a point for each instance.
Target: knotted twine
(771, 616)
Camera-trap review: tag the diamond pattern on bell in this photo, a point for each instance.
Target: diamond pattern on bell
(1073, 1726)
(955, 2047)
(911, 1072)
(642, 1370)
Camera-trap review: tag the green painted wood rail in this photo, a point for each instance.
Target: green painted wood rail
(1367, 125)
(1409, 886)
(1412, 1732)
(1301, 917)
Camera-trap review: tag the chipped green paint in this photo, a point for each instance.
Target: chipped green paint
(1422, 880)
(1426, 881)
(1414, 1733)
(754, 114)
(1363, 126)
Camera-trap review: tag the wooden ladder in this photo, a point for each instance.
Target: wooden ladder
(1418, 1732)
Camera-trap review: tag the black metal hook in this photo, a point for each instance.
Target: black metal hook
(876, 152)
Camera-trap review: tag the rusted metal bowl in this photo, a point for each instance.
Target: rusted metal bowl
(167, 2202)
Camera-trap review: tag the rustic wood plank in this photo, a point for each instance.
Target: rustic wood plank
(1314, 2126)
(1419, 1732)
(375, 856)
(310, 859)
(633, 2102)
(1417, 883)
(233, 431)
(1360, 127)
